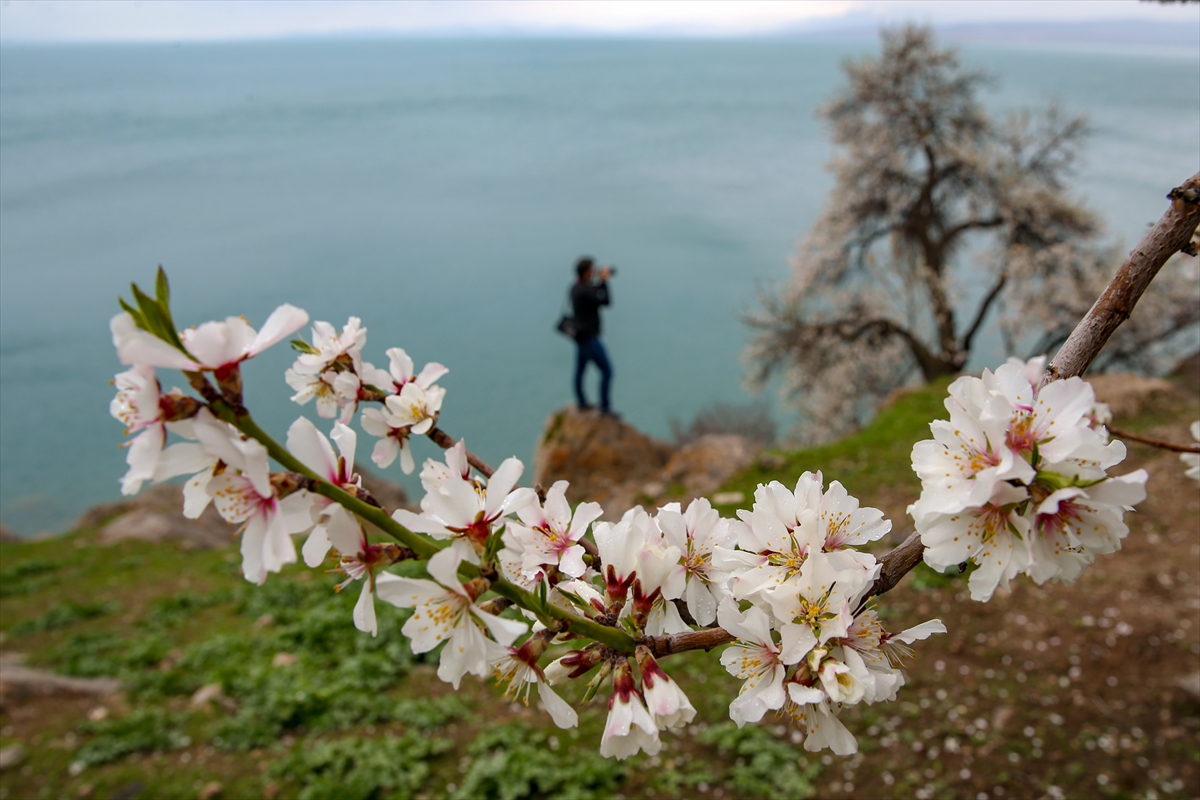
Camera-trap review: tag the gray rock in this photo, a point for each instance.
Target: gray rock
(11, 756)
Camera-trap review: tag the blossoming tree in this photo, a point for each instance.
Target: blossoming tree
(1019, 481)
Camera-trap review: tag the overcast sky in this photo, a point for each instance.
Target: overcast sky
(158, 20)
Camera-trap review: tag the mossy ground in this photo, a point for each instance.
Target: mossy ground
(1055, 691)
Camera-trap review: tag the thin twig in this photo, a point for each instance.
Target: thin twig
(1163, 443)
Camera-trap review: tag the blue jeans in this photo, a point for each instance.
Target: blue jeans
(590, 349)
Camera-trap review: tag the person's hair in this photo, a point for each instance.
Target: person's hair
(583, 265)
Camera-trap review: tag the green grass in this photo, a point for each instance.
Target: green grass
(878, 456)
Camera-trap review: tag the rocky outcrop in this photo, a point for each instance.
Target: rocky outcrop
(610, 462)
(598, 454)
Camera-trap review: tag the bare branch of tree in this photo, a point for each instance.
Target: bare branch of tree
(1150, 440)
(1172, 233)
(981, 313)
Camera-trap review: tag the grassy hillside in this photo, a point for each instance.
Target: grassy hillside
(238, 691)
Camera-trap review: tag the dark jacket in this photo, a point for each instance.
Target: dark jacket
(586, 299)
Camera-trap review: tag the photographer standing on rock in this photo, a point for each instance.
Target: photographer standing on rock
(587, 295)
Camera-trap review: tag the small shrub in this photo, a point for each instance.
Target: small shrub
(141, 730)
(765, 767)
(360, 768)
(61, 615)
(425, 713)
(513, 762)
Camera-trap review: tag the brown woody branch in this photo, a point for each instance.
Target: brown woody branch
(1172, 234)
(1163, 443)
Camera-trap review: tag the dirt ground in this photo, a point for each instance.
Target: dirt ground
(1081, 691)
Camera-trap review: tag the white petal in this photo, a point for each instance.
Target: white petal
(559, 710)
(283, 322)
(364, 611)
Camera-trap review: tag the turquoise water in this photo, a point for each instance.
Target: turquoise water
(441, 190)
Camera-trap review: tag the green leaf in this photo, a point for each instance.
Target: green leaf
(138, 319)
(301, 346)
(163, 290)
(158, 319)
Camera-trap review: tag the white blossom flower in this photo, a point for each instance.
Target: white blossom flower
(992, 535)
(810, 708)
(144, 409)
(243, 493)
(549, 535)
(969, 455)
(213, 345)
(814, 606)
(412, 412)
(1192, 460)
(517, 666)
(466, 510)
(695, 533)
(753, 657)
(444, 611)
(331, 370)
(629, 727)
(669, 707)
(310, 446)
(400, 373)
(774, 540)
(1073, 525)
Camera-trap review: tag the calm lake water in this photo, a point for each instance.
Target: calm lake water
(441, 190)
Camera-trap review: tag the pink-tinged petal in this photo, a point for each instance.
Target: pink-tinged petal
(309, 445)
(430, 374)
(195, 494)
(135, 346)
(559, 710)
(343, 530)
(420, 524)
(443, 568)
(316, 547)
(518, 499)
(556, 507)
(142, 458)
(804, 695)
(700, 601)
(297, 510)
(184, 458)
(219, 344)
(364, 611)
(501, 483)
(585, 515)
(572, 563)
(406, 592)
(148, 349)
(252, 550)
(922, 631)
(797, 641)
(407, 465)
(504, 630)
(385, 452)
(283, 322)
(279, 549)
(401, 364)
(256, 467)
(465, 652)
(347, 443)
